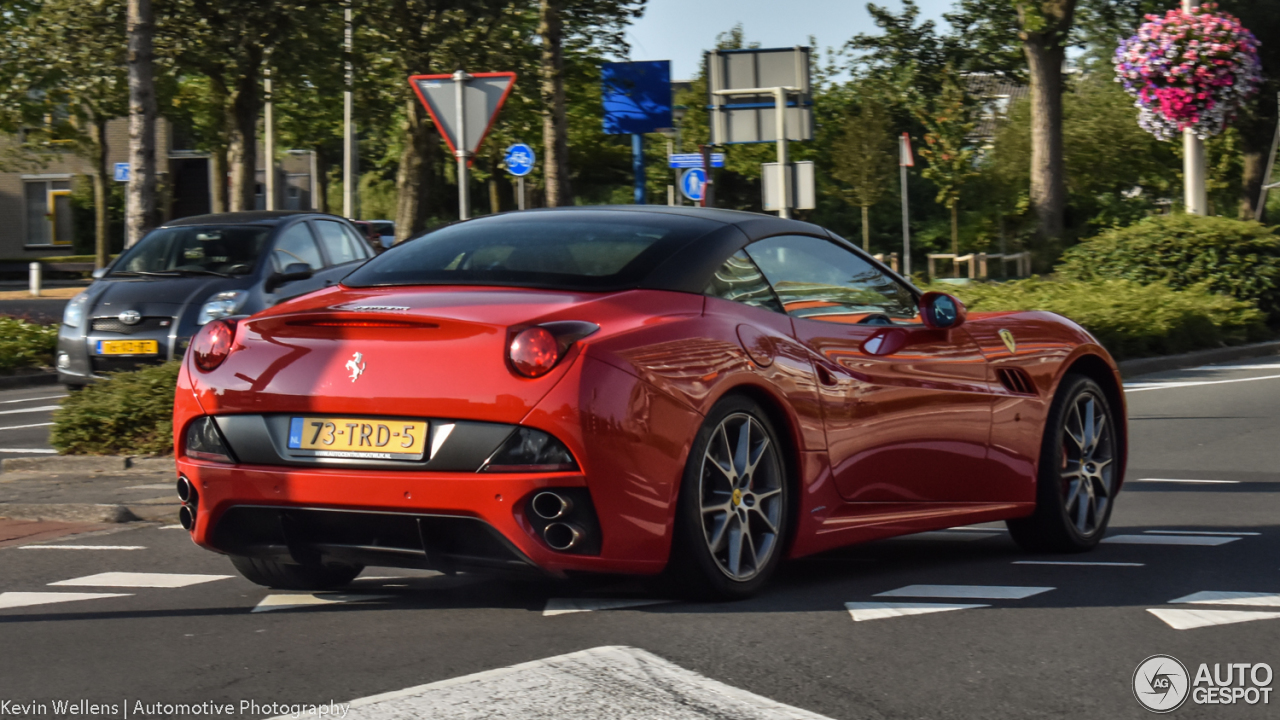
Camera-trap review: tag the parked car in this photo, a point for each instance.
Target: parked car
(145, 307)
(633, 390)
(385, 229)
(370, 233)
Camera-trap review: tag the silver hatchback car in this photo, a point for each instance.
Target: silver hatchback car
(147, 305)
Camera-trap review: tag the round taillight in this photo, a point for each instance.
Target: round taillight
(533, 352)
(212, 344)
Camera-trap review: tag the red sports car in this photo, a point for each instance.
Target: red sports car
(633, 390)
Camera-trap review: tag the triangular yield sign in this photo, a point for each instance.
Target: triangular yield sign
(482, 97)
(288, 602)
(564, 606)
(25, 599)
(879, 610)
(1190, 619)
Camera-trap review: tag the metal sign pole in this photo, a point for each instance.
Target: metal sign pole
(520, 192)
(780, 102)
(348, 129)
(906, 214)
(460, 79)
(1195, 194)
(637, 167)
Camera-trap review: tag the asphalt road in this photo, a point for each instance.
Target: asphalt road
(25, 417)
(1057, 640)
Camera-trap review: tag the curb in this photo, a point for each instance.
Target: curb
(9, 382)
(89, 463)
(1143, 366)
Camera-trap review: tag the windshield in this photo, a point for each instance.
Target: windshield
(557, 250)
(198, 250)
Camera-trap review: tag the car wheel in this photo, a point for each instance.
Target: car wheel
(1076, 486)
(733, 513)
(284, 576)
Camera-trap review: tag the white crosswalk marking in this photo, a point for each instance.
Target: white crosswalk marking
(982, 592)
(1201, 532)
(132, 579)
(618, 683)
(861, 611)
(1189, 482)
(1212, 597)
(83, 547)
(1203, 540)
(289, 602)
(565, 606)
(25, 599)
(1077, 562)
(1190, 619)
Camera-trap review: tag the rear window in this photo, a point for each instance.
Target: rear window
(560, 250)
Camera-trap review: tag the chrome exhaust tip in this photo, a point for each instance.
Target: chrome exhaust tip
(187, 517)
(186, 491)
(562, 536)
(551, 506)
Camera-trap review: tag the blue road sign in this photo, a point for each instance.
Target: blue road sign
(636, 97)
(692, 183)
(122, 172)
(694, 160)
(520, 159)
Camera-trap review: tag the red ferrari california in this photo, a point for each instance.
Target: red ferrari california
(633, 390)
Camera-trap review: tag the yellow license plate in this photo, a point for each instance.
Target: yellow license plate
(128, 347)
(359, 437)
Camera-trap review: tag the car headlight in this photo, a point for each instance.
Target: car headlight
(73, 315)
(220, 305)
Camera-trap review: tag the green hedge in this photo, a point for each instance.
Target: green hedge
(1232, 257)
(25, 345)
(1129, 319)
(129, 413)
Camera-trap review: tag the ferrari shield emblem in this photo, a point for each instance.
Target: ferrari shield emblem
(1007, 337)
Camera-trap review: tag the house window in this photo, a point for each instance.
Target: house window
(49, 218)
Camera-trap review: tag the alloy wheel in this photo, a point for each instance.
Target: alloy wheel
(1088, 463)
(741, 499)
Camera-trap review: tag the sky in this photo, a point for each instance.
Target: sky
(681, 30)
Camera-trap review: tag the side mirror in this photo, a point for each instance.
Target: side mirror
(292, 271)
(941, 311)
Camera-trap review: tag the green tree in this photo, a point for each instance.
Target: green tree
(949, 120)
(864, 156)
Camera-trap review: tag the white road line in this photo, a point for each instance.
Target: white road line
(43, 408)
(1194, 383)
(1200, 532)
(172, 527)
(26, 599)
(1190, 482)
(289, 602)
(1214, 597)
(38, 451)
(984, 592)
(619, 683)
(1077, 562)
(46, 397)
(83, 547)
(1191, 619)
(862, 611)
(1169, 540)
(23, 427)
(132, 579)
(565, 606)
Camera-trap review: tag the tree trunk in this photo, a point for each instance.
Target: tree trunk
(218, 180)
(1045, 51)
(866, 229)
(140, 213)
(243, 126)
(413, 179)
(554, 130)
(98, 135)
(495, 201)
(955, 226)
(1255, 166)
(321, 191)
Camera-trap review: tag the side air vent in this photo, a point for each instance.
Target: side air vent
(1016, 380)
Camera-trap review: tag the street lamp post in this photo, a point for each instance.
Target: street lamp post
(1195, 196)
(348, 130)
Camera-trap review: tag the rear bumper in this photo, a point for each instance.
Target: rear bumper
(387, 518)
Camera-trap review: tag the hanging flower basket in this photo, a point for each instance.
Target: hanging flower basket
(1189, 70)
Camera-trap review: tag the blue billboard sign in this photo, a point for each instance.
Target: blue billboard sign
(636, 96)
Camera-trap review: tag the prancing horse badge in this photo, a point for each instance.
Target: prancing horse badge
(1007, 337)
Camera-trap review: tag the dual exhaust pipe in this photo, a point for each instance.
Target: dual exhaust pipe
(559, 535)
(190, 498)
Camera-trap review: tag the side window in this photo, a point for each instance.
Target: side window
(741, 281)
(361, 249)
(820, 280)
(295, 245)
(338, 245)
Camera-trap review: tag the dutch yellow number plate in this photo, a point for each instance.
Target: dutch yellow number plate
(359, 437)
(128, 347)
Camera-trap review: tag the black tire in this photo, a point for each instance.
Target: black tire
(284, 576)
(695, 569)
(1074, 495)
